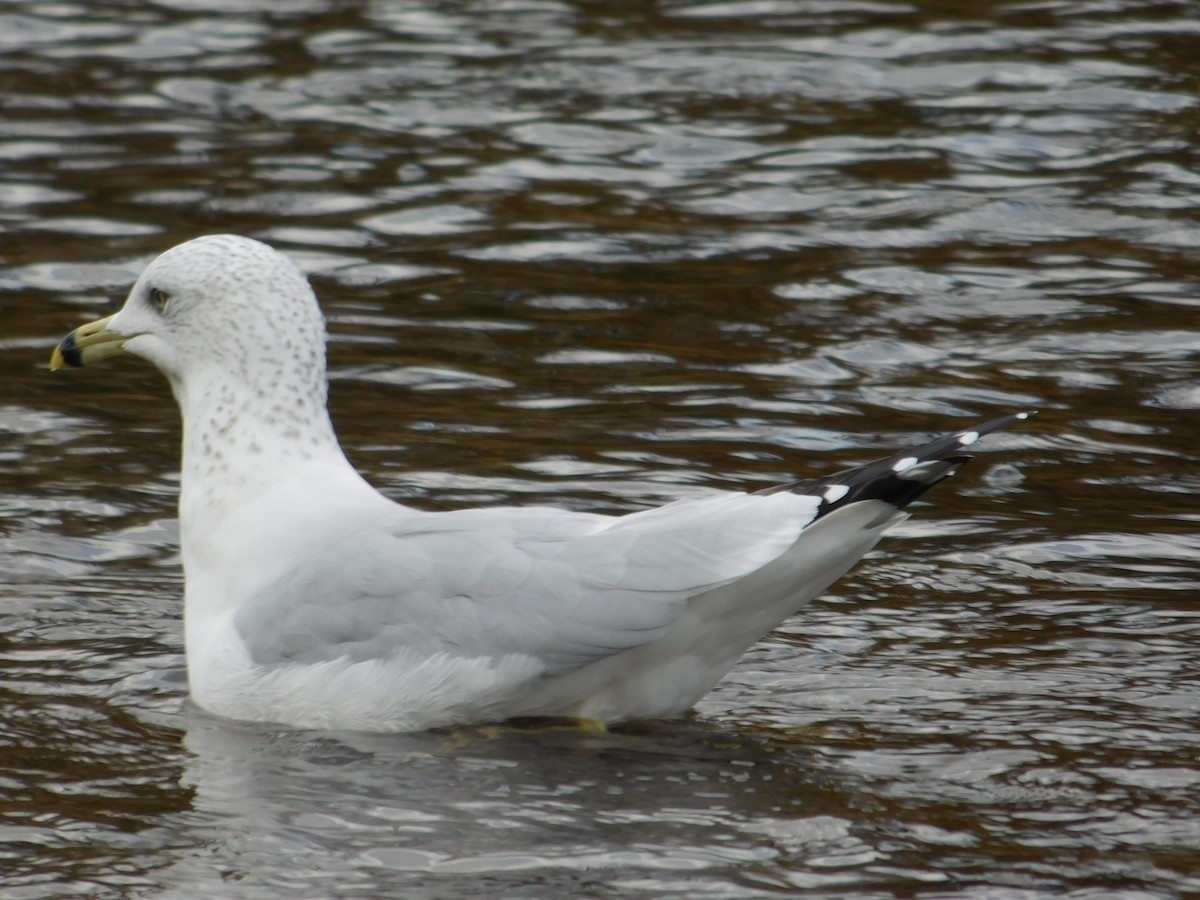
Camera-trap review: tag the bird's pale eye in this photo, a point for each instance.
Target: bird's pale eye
(160, 299)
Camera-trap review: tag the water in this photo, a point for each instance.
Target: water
(602, 257)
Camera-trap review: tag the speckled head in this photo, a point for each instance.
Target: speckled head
(227, 301)
(236, 329)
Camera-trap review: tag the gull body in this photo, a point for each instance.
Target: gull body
(313, 601)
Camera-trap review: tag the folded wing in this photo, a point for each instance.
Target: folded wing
(563, 588)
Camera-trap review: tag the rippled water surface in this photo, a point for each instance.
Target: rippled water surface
(603, 255)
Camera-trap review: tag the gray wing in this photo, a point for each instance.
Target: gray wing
(563, 588)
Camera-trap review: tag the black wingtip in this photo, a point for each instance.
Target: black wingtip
(901, 478)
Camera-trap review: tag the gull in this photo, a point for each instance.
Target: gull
(312, 601)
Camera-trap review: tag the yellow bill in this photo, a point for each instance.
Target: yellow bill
(87, 344)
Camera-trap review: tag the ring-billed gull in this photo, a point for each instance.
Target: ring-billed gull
(311, 600)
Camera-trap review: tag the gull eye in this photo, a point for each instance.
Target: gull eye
(160, 299)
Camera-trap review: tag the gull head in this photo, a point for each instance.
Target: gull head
(220, 306)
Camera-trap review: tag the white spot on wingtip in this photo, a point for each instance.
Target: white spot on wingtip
(1023, 415)
(835, 492)
(968, 437)
(901, 464)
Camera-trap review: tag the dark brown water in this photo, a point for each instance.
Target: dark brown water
(602, 255)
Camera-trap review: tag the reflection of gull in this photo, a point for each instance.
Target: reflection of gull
(314, 601)
(433, 814)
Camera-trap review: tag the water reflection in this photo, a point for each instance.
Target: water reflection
(445, 809)
(603, 257)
